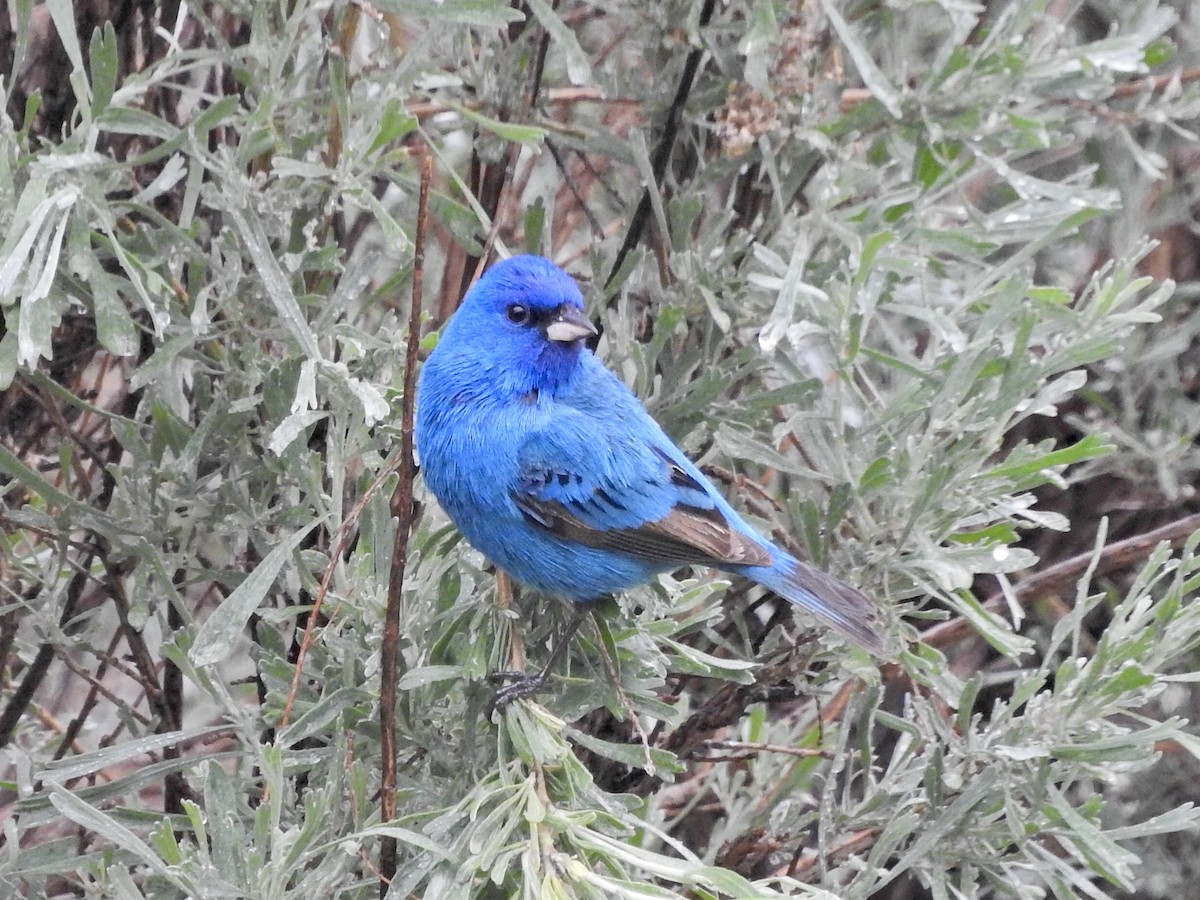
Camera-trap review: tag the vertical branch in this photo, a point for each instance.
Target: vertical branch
(175, 788)
(402, 505)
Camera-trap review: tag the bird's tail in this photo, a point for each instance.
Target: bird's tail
(830, 600)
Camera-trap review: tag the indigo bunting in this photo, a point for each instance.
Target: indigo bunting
(553, 469)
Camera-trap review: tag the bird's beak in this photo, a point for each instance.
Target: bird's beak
(569, 325)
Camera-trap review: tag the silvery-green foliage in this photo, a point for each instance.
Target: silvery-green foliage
(898, 280)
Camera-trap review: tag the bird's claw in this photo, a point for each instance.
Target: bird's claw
(522, 686)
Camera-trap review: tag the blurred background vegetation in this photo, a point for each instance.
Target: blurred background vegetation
(917, 280)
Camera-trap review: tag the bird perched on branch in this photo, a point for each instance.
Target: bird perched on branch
(553, 469)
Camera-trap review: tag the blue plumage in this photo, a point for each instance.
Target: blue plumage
(553, 469)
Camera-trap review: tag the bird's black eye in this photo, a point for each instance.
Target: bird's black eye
(517, 314)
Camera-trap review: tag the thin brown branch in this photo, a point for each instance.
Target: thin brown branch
(175, 786)
(20, 697)
(345, 534)
(559, 96)
(96, 690)
(1154, 84)
(143, 660)
(98, 687)
(404, 508)
(569, 181)
(747, 852)
(750, 748)
(803, 864)
(1063, 575)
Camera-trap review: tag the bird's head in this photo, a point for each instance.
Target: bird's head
(524, 323)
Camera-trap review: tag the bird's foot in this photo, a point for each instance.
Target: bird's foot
(522, 685)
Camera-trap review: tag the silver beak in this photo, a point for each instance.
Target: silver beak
(569, 325)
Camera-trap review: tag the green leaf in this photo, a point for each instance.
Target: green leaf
(1052, 295)
(393, 232)
(696, 662)
(395, 123)
(1000, 533)
(932, 161)
(730, 883)
(105, 826)
(633, 754)
(426, 675)
(484, 14)
(1159, 52)
(311, 722)
(8, 359)
(115, 328)
(86, 764)
(128, 120)
(16, 469)
(275, 280)
(535, 223)
(1090, 447)
(510, 131)
(876, 475)
(410, 837)
(216, 637)
(103, 54)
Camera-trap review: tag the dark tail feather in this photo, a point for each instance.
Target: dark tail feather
(830, 600)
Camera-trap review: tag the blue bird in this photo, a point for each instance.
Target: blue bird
(553, 469)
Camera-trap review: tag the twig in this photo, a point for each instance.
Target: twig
(1154, 84)
(635, 722)
(175, 786)
(48, 719)
(345, 534)
(802, 864)
(597, 228)
(516, 642)
(746, 853)
(750, 748)
(1054, 578)
(402, 505)
(825, 714)
(97, 687)
(369, 9)
(742, 483)
(662, 153)
(427, 109)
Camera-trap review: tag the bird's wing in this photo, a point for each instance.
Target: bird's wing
(633, 493)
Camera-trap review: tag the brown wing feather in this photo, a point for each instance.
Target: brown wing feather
(685, 535)
(710, 534)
